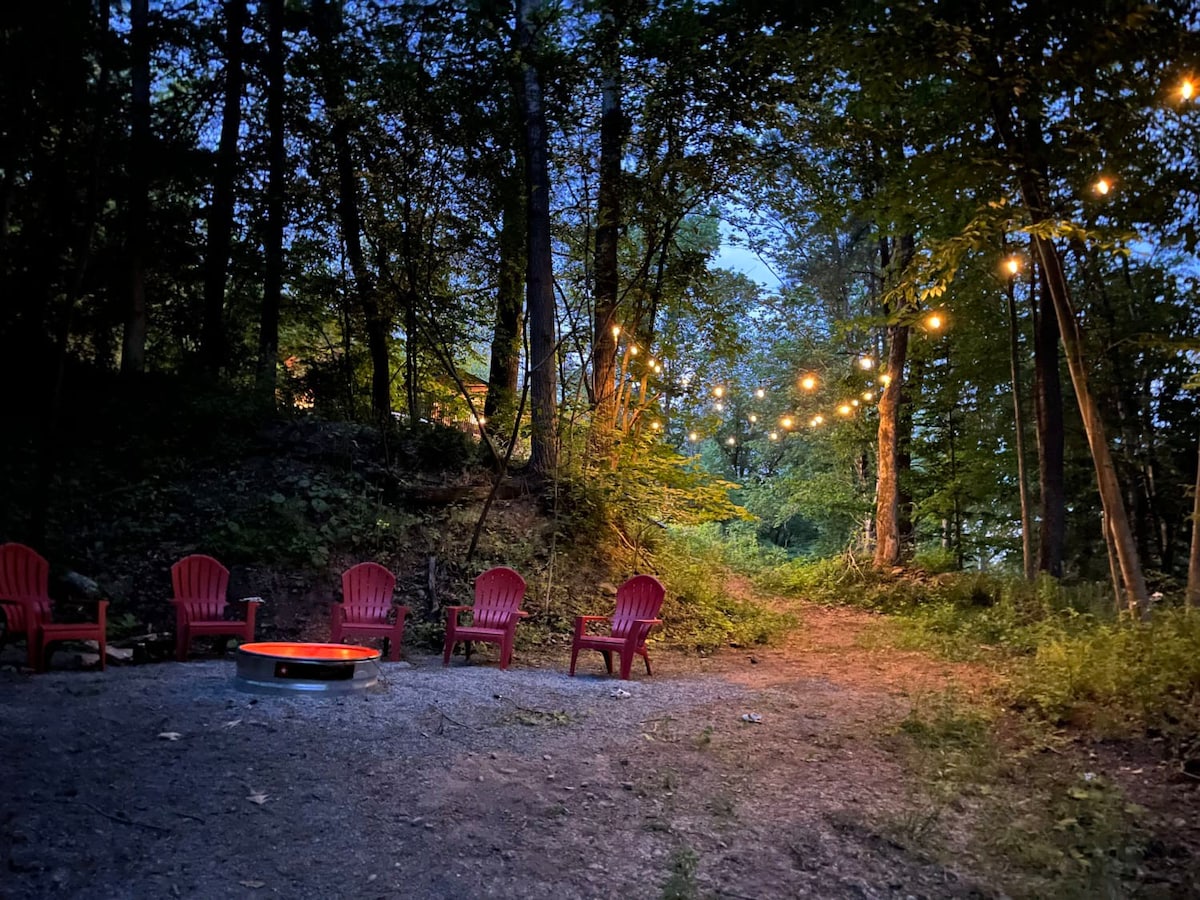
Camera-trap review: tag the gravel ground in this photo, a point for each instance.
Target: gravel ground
(166, 780)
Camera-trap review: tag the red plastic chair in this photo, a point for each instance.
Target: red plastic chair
(29, 611)
(494, 617)
(367, 608)
(638, 601)
(200, 584)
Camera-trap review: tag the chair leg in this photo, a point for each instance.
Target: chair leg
(607, 654)
(181, 644)
(392, 645)
(626, 663)
(574, 656)
(448, 649)
(646, 660)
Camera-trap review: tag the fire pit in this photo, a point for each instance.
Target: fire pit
(312, 668)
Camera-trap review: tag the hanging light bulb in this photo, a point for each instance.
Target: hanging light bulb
(935, 321)
(786, 422)
(1102, 186)
(693, 437)
(654, 426)
(774, 436)
(731, 441)
(760, 393)
(658, 368)
(616, 331)
(753, 418)
(868, 396)
(844, 409)
(1187, 89)
(1012, 265)
(865, 362)
(633, 350)
(817, 420)
(718, 391)
(719, 406)
(885, 379)
(854, 403)
(808, 382)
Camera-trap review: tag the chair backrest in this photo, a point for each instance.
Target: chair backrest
(641, 597)
(201, 583)
(367, 590)
(24, 586)
(498, 594)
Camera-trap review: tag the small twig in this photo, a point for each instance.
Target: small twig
(125, 820)
(189, 816)
(447, 718)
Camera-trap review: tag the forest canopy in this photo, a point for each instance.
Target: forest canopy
(976, 344)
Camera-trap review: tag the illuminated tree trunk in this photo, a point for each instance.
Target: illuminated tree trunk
(505, 367)
(1048, 419)
(1019, 424)
(1193, 582)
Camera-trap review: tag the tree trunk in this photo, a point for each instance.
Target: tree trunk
(1193, 582)
(220, 211)
(133, 344)
(504, 372)
(327, 25)
(1014, 360)
(268, 335)
(608, 221)
(539, 280)
(1048, 422)
(888, 544)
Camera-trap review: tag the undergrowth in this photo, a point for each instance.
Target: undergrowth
(1041, 828)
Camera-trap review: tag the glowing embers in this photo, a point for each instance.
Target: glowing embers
(285, 666)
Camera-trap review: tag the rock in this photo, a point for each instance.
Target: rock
(118, 654)
(82, 584)
(608, 588)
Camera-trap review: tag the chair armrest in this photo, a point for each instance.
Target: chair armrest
(581, 623)
(521, 614)
(401, 610)
(452, 612)
(650, 622)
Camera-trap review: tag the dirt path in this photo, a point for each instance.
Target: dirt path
(164, 780)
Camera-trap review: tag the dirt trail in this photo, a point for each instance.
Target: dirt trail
(477, 783)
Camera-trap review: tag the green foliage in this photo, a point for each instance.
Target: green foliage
(699, 611)
(1121, 675)
(304, 521)
(681, 883)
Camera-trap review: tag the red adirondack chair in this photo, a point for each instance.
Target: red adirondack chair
(29, 611)
(638, 601)
(494, 617)
(367, 608)
(200, 584)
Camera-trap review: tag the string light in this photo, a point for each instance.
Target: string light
(1187, 90)
(719, 406)
(786, 422)
(844, 409)
(1012, 265)
(718, 391)
(868, 396)
(616, 331)
(865, 362)
(753, 418)
(731, 441)
(774, 436)
(817, 420)
(654, 426)
(760, 393)
(885, 379)
(657, 368)
(854, 403)
(693, 437)
(1102, 186)
(934, 321)
(808, 382)
(633, 350)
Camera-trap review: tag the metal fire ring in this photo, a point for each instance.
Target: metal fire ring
(282, 666)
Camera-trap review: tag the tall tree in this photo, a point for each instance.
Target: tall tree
(268, 335)
(221, 205)
(133, 348)
(539, 281)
